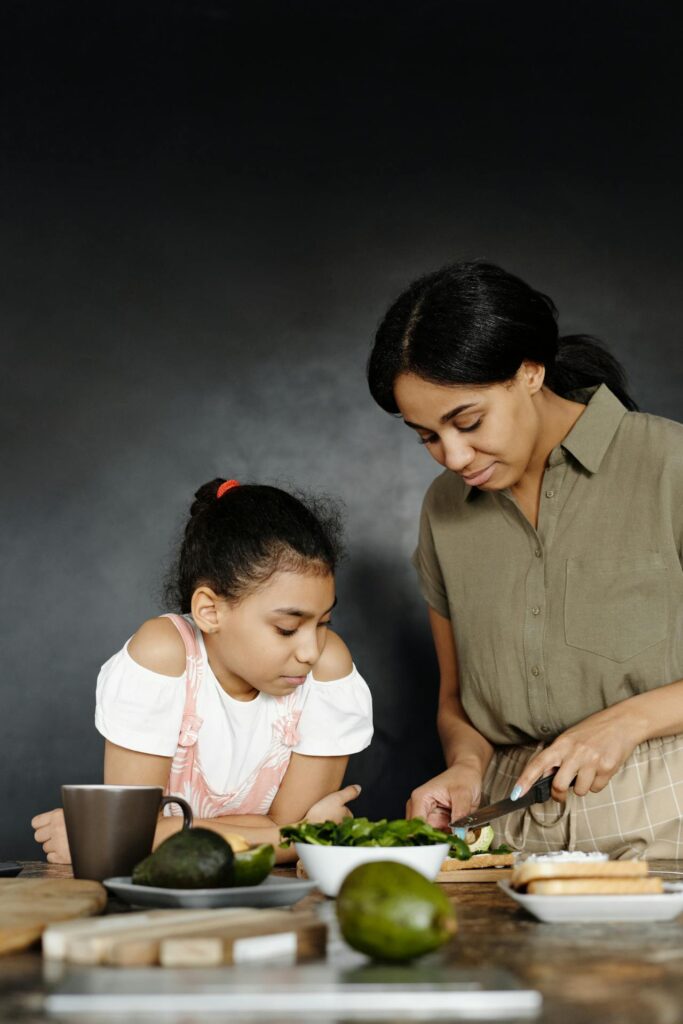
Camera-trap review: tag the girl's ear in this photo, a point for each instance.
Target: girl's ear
(205, 609)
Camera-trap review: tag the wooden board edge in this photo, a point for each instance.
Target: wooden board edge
(474, 875)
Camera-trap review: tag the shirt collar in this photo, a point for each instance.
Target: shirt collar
(593, 432)
(591, 435)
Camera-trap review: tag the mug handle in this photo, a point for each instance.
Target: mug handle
(184, 806)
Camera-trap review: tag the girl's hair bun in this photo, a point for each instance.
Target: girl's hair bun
(235, 543)
(205, 497)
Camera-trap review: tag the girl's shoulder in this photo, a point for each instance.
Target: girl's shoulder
(158, 646)
(335, 662)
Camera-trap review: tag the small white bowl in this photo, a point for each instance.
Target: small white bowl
(328, 866)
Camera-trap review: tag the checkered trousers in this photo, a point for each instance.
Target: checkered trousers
(638, 814)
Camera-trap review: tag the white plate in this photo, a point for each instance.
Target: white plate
(274, 891)
(641, 907)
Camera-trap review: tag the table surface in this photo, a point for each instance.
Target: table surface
(617, 973)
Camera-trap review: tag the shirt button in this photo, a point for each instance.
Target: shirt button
(538, 552)
(535, 610)
(550, 494)
(545, 729)
(535, 671)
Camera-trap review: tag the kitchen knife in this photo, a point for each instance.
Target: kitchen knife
(538, 794)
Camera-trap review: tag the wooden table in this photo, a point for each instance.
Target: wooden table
(611, 973)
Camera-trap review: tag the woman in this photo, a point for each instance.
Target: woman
(550, 555)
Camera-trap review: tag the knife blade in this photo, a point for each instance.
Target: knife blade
(537, 794)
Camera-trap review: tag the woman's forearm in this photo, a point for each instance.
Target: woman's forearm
(253, 828)
(655, 713)
(461, 742)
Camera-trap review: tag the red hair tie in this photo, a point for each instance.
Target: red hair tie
(227, 485)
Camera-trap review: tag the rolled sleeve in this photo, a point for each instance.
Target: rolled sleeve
(336, 718)
(137, 708)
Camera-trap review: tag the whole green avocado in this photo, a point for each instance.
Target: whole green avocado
(195, 858)
(393, 913)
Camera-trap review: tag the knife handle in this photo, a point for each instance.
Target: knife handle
(542, 788)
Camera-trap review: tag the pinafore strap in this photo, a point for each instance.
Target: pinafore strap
(186, 778)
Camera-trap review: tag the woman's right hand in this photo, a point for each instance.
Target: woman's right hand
(447, 797)
(333, 807)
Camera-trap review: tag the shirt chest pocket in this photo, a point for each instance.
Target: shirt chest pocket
(618, 607)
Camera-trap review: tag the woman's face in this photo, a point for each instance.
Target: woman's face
(485, 434)
(271, 639)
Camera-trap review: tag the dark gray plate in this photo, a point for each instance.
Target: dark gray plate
(273, 892)
(9, 869)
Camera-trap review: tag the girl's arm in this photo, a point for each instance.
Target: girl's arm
(306, 791)
(307, 780)
(456, 791)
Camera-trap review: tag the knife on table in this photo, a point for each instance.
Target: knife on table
(537, 794)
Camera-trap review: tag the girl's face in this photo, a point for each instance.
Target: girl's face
(271, 639)
(485, 434)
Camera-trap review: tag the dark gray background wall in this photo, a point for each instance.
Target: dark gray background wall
(206, 207)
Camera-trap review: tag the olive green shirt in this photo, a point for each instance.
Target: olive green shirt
(555, 623)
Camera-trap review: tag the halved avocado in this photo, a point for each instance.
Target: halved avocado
(250, 867)
(483, 839)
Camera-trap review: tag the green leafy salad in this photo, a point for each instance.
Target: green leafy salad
(361, 832)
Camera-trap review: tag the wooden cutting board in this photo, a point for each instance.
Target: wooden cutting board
(465, 875)
(184, 938)
(474, 875)
(29, 905)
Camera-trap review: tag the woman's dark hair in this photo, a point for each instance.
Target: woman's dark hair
(235, 543)
(473, 323)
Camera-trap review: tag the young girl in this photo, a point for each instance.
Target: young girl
(246, 704)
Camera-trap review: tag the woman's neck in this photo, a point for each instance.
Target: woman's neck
(556, 416)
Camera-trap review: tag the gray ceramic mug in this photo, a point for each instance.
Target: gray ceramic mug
(111, 828)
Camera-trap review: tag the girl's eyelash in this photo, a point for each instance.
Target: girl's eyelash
(291, 632)
(463, 430)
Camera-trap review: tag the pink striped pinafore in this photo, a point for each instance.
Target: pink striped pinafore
(186, 779)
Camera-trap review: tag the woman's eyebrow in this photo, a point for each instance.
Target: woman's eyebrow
(445, 418)
(299, 614)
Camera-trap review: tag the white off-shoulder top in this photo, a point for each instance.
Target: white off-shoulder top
(143, 710)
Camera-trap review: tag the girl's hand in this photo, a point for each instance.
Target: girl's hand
(449, 796)
(333, 807)
(50, 830)
(591, 752)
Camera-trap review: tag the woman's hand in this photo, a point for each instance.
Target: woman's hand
(50, 831)
(591, 752)
(449, 796)
(333, 807)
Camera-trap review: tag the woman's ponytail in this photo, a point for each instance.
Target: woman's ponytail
(474, 324)
(583, 362)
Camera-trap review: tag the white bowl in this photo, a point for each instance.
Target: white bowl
(328, 866)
